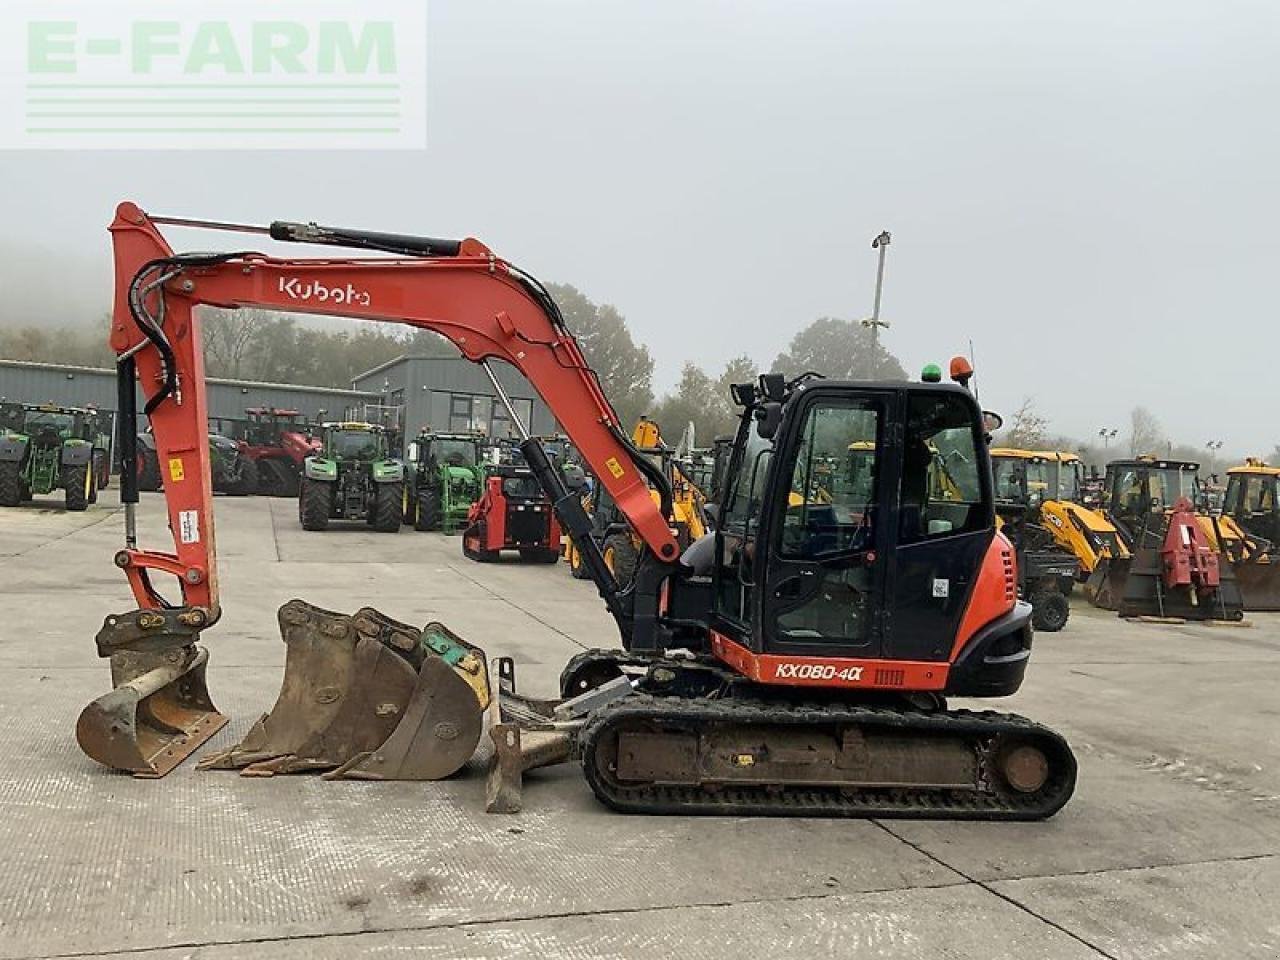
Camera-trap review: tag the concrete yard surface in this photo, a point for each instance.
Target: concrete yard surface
(1170, 848)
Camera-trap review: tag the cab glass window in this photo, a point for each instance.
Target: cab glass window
(832, 497)
(941, 493)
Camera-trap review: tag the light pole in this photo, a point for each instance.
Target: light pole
(881, 243)
(1213, 446)
(1107, 434)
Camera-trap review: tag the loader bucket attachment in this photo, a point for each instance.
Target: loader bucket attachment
(1259, 583)
(439, 729)
(159, 711)
(1106, 585)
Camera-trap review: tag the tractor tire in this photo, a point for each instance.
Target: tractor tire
(1050, 611)
(539, 555)
(149, 472)
(315, 503)
(102, 465)
(11, 484)
(387, 507)
(78, 487)
(620, 557)
(284, 477)
(428, 509)
(577, 569)
(247, 484)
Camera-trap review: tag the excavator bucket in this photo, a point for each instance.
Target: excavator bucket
(1106, 585)
(365, 696)
(440, 726)
(319, 656)
(159, 711)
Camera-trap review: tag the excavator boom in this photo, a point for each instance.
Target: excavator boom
(160, 710)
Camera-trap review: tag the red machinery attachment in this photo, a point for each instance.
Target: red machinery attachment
(513, 514)
(1185, 578)
(1188, 560)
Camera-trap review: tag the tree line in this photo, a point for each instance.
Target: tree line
(250, 344)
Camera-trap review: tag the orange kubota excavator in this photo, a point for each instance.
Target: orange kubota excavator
(795, 661)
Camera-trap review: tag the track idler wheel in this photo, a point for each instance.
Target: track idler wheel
(159, 711)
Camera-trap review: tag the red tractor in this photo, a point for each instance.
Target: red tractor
(278, 441)
(513, 514)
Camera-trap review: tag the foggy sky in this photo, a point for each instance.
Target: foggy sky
(1088, 190)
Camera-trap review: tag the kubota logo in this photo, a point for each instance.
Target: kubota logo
(311, 291)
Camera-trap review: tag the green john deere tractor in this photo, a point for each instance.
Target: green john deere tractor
(46, 447)
(353, 477)
(447, 478)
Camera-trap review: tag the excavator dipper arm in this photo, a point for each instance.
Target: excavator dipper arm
(485, 306)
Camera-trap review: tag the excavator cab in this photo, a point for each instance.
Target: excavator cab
(870, 559)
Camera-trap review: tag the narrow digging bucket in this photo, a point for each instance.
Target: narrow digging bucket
(439, 728)
(319, 665)
(159, 711)
(1259, 584)
(347, 682)
(1106, 585)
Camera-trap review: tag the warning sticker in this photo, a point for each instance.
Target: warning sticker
(176, 472)
(189, 526)
(614, 467)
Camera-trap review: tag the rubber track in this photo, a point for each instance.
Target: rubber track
(983, 728)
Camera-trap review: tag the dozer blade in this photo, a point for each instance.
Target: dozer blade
(440, 727)
(159, 711)
(1106, 584)
(319, 660)
(1259, 584)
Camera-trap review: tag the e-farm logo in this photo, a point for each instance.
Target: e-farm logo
(236, 74)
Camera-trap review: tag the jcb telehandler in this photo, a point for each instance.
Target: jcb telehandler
(795, 662)
(446, 476)
(46, 447)
(352, 477)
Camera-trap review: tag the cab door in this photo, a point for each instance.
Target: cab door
(827, 524)
(943, 526)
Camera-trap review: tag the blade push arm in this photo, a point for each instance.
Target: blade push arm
(486, 307)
